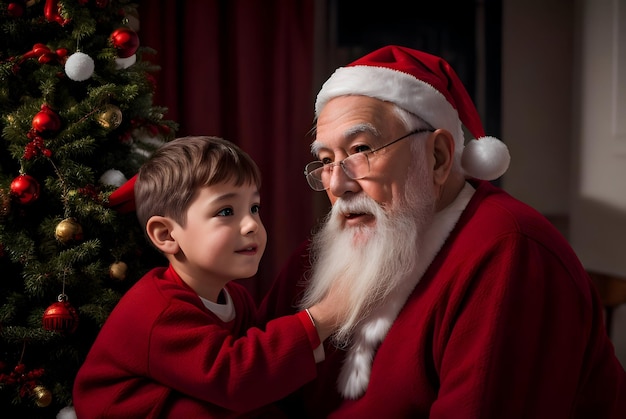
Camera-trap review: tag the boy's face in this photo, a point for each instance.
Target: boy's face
(223, 238)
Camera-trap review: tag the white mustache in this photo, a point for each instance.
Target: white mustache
(356, 204)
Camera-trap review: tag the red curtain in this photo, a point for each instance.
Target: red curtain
(242, 70)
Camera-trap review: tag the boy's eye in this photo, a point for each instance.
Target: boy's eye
(255, 209)
(225, 212)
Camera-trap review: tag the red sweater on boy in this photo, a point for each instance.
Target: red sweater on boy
(162, 353)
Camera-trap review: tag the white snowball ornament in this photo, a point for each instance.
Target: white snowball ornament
(113, 177)
(79, 66)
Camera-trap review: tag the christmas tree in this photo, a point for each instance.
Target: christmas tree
(77, 121)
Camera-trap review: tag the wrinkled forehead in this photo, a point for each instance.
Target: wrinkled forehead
(345, 117)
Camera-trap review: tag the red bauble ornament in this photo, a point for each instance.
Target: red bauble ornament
(125, 40)
(25, 189)
(61, 317)
(15, 9)
(46, 121)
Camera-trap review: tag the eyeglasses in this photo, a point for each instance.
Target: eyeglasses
(355, 166)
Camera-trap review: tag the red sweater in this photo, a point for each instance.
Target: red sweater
(504, 323)
(162, 353)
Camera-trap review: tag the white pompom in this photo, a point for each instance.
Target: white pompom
(485, 158)
(113, 177)
(79, 66)
(122, 63)
(66, 413)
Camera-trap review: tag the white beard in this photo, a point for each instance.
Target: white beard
(374, 267)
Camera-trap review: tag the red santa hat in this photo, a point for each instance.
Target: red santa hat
(428, 87)
(123, 198)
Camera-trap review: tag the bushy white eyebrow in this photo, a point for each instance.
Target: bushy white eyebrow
(316, 146)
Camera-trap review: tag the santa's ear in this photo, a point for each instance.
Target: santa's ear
(159, 230)
(443, 151)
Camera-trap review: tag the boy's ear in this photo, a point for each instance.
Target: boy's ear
(159, 230)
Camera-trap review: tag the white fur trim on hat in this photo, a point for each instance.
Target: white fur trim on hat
(394, 86)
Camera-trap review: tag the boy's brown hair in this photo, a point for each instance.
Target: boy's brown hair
(168, 181)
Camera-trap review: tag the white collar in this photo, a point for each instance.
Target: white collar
(226, 312)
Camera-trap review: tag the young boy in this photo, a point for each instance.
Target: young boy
(181, 341)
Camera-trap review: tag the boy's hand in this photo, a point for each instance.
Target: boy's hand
(328, 313)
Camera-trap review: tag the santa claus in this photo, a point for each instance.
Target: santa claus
(460, 301)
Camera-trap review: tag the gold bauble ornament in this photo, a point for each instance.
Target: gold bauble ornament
(68, 231)
(43, 396)
(117, 270)
(110, 117)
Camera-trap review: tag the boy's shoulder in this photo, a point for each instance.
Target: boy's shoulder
(151, 294)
